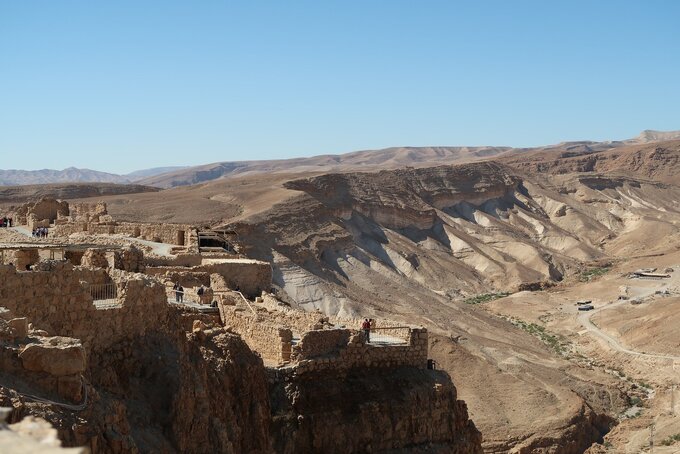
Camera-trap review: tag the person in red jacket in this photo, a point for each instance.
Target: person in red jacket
(366, 326)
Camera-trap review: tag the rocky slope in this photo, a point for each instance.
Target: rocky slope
(413, 243)
(203, 390)
(656, 161)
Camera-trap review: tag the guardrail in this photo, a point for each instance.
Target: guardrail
(103, 292)
(389, 335)
(182, 297)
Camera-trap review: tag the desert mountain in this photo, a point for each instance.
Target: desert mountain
(659, 161)
(46, 176)
(388, 158)
(412, 244)
(366, 160)
(75, 175)
(146, 173)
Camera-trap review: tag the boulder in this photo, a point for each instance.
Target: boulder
(57, 358)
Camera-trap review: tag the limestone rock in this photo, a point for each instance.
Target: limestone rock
(59, 360)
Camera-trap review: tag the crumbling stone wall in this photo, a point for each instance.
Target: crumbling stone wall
(273, 343)
(51, 364)
(179, 234)
(179, 260)
(251, 277)
(130, 259)
(45, 209)
(96, 258)
(181, 275)
(87, 212)
(356, 353)
(25, 257)
(56, 297)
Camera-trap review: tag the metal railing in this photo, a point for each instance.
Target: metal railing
(103, 292)
(182, 297)
(105, 296)
(389, 335)
(247, 302)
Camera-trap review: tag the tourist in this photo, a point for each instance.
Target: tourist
(203, 297)
(179, 293)
(176, 289)
(366, 327)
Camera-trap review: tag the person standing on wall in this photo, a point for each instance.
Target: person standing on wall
(366, 327)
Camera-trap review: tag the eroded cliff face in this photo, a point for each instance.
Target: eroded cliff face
(391, 410)
(166, 392)
(176, 388)
(452, 231)
(410, 245)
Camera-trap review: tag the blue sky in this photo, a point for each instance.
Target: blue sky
(125, 85)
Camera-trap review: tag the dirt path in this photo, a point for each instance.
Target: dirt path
(161, 249)
(585, 317)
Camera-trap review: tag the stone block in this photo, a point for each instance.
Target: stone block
(58, 360)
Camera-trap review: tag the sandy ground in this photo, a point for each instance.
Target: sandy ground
(636, 343)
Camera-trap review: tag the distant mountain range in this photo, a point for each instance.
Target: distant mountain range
(14, 177)
(388, 158)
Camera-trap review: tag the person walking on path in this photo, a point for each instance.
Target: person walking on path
(366, 326)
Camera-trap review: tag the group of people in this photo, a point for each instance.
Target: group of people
(204, 294)
(40, 232)
(366, 328)
(6, 222)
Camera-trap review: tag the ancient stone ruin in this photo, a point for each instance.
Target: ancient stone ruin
(124, 347)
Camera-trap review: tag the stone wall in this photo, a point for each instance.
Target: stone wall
(179, 234)
(96, 258)
(45, 209)
(273, 343)
(181, 275)
(179, 260)
(57, 298)
(327, 352)
(251, 277)
(269, 333)
(51, 364)
(87, 212)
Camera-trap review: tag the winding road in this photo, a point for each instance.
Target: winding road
(585, 319)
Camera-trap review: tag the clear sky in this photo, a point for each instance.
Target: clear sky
(124, 85)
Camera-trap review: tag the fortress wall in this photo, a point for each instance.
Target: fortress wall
(179, 260)
(320, 349)
(271, 342)
(51, 364)
(179, 274)
(179, 234)
(56, 297)
(355, 353)
(251, 277)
